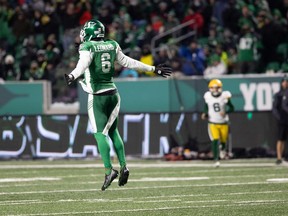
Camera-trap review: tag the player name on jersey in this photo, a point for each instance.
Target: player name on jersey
(100, 47)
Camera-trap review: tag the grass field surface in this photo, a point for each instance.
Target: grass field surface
(72, 187)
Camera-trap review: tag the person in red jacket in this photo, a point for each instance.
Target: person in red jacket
(192, 14)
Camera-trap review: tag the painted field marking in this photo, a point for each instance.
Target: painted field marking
(144, 199)
(281, 180)
(169, 179)
(156, 209)
(137, 165)
(2, 180)
(133, 188)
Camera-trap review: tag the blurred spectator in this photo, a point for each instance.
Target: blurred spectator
(104, 14)
(272, 34)
(247, 50)
(163, 10)
(231, 16)
(149, 33)
(170, 22)
(222, 54)
(147, 58)
(127, 72)
(232, 60)
(157, 23)
(193, 15)
(50, 22)
(20, 25)
(215, 66)
(35, 72)
(194, 59)
(247, 17)
(53, 26)
(162, 56)
(179, 7)
(207, 13)
(9, 70)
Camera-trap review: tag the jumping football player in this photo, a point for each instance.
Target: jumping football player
(96, 61)
(217, 106)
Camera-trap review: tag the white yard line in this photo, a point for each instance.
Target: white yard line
(137, 165)
(278, 180)
(234, 204)
(175, 198)
(133, 188)
(2, 180)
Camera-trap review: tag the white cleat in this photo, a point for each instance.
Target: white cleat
(222, 154)
(217, 164)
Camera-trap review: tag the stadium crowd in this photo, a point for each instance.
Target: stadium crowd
(37, 37)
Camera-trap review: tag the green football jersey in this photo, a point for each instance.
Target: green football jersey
(99, 75)
(247, 48)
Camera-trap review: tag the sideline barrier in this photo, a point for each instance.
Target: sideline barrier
(25, 98)
(249, 93)
(150, 95)
(144, 134)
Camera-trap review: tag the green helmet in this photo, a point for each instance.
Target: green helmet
(92, 29)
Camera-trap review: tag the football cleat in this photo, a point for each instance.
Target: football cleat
(278, 162)
(222, 154)
(124, 175)
(109, 178)
(217, 164)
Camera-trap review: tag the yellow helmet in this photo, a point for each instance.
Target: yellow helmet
(215, 87)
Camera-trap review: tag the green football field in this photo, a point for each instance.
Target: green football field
(155, 187)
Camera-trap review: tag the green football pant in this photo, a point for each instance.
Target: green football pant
(103, 115)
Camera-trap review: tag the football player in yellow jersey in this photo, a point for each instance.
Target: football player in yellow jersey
(217, 106)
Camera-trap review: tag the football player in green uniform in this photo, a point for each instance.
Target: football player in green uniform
(96, 61)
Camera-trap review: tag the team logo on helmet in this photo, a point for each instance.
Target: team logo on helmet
(92, 29)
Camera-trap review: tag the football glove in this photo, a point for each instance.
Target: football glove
(163, 70)
(69, 78)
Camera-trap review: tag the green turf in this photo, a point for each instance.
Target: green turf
(155, 187)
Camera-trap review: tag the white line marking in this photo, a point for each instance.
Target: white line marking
(169, 179)
(158, 209)
(27, 202)
(137, 165)
(133, 188)
(278, 180)
(2, 180)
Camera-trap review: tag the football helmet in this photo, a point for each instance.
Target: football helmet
(92, 29)
(215, 87)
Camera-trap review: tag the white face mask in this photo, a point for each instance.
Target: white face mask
(215, 91)
(82, 35)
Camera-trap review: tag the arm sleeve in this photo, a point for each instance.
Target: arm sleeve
(85, 58)
(128, 62)
(230, 106)
(205, 110)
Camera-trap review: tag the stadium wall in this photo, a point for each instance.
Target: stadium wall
(155, 115)
(144, 134)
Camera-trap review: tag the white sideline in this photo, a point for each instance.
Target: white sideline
(135, 188)
(2, 180)
(234, 204)
(137, 165)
